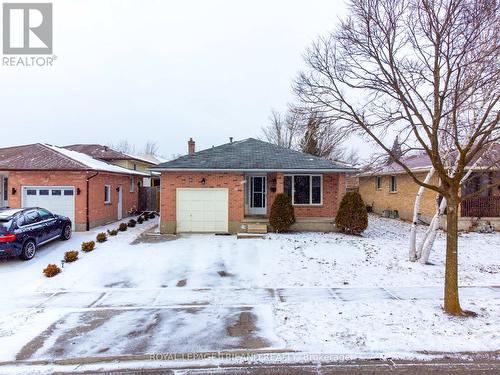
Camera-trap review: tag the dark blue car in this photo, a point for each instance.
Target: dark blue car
(23, 230)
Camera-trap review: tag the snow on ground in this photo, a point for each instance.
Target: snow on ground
(224, 272)
(388, 327)
(378, 258)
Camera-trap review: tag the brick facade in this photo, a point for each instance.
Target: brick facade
(170, 181)
(334, 188)
(99, 212)
(402, 200)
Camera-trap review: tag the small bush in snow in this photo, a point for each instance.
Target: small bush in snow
(131, 223)
(145, 217)
(152, 215)
(352, 217)
(88, 246)
(70, 256)
(282, 215)
(101, 237)
(112, 232)
(122, 227)
(140, 220)
(51, 270)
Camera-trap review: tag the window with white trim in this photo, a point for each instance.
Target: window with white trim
(304, 189)
(393, 184)
(107, 193)
(132, 184)
(378, 182)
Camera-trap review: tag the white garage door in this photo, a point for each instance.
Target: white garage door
(202, 210)
(59, 200)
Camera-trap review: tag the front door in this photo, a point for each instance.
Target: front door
(120, 203)
(257, 195)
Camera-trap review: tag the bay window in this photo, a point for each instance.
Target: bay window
(304, 189)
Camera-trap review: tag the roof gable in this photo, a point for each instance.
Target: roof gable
(251, 154)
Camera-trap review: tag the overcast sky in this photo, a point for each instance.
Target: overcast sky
(163, 71)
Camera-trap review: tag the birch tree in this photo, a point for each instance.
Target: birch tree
(427, 70)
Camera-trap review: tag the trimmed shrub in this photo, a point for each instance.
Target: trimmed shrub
(51, 270)
(140, 220)
(145, 216)
(282, 215)
(152, 215)
(102, 237)
(122, 227)
(88, 246)
(113, 232)
(352, 217)
(132, 223)
(70, 256)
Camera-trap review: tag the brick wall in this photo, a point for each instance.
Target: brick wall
(403, 200)
(99, 212)
(334, 187)
(18, 179)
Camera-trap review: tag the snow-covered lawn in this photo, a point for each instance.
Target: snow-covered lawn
(283, 286)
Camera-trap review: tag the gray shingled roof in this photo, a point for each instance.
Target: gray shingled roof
(251, 154)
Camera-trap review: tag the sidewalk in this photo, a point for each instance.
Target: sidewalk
(183, 297)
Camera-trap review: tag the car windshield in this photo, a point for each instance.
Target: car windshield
(5, 225)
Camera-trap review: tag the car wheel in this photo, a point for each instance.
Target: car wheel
(66, 233)
(29, 250)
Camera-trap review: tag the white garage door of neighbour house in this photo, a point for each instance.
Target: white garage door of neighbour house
(59, 200)
(202, 210)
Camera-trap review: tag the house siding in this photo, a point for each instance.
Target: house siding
(99, 212)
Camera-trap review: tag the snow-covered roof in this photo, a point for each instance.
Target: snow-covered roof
(92, 163)
(490, 158)
(40, 156)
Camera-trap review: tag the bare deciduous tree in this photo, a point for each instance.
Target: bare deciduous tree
(427, 70)
(151, 148)
(282, 129)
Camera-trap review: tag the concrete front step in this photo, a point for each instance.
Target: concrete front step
(257, 228)
(250, 235)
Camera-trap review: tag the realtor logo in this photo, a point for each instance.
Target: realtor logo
(27, 28)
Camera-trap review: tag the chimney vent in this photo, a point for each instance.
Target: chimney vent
(231, 139)
(191, 147)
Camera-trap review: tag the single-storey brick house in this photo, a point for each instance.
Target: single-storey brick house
(89, 191)
(229, 187)
(390, 191)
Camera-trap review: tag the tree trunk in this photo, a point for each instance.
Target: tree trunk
(424, 250)
(413, 233)
(451, 301)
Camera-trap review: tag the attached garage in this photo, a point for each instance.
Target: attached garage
(59, 200)
(202, 210)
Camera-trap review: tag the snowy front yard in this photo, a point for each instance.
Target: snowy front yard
(312, 292)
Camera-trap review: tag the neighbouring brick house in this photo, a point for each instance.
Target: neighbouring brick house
(231, 187)
(391, 192)
(90, 192)
(133, 162)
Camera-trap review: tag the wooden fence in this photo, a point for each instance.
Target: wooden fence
(149, 198)
(481, 207)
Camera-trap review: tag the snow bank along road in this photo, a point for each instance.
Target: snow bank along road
(356, 297)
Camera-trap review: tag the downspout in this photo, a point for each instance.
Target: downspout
(88, 201)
